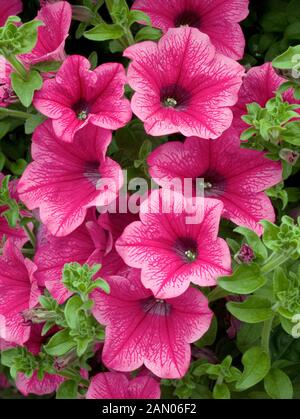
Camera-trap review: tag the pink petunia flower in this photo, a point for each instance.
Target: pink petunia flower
(235, 176)
(115, 385)
(87, 244)
(219, 21)
(33, 385)
(52, 36)
(7, 95)
(18, 292)
(140, 329)
(260, 85)
(64, 180)
(170, 251)
(9, 8)
(183, 85)
(78, 96)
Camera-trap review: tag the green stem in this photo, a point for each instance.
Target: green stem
(274, 261)
(129, 37)
(265, 335)
(14, 113)
(29, 233)
(217, 294)
(18, 66)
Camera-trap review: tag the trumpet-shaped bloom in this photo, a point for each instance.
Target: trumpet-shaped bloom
(87, 244)
(260, 85)
(140, 329)
(9, 8)
(18, 292)
(33, 385)
(78, 96)
(7, 95)
(64, 180)
(183, 85)
(170, 250)
(235, 176)
(52, 35)
(219, 21)
(115, 385)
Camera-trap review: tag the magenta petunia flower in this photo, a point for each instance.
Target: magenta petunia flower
(260, 85)
(183, 85)
(33, 385)
(219, 21)
(52, 36)
(78, 96)
(18, 292)
(234, 175)
(141, 329)
(64, 180)
(7, 95)
(9, 8)
(115, 385)
(87, 244)
(170, 251)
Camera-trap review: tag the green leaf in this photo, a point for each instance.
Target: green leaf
(292, 32)
(67, 390)
(72, 308)
(287, 59)
(25, 88)
(278, 385)
(254, 241)
(256, 366)
(248, 335)
(101, 284)
(148, 33)
(210, 336)
(274, 21)
(8, 357)
(253, 310)
(221, 392)
(18, 167)
(138, 16)
(33, 122)
(104, 32)
(93, 59)
(291, 134)
(47, 66)
(28, 35)
(2, 161)
(60, 344)
(270, 235)
(293, 11)
(245, 280)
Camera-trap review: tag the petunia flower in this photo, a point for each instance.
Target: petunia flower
(86, 244)
(260, 85)
(183, 85)
(64, 180)
(141, 329)
(9, 8)
(33, 385)
(78, 96)
(170, 250)
(52, 35)
(219, 21)
(7, 95)
(18, 292)
(115, 385)
(238, 177)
